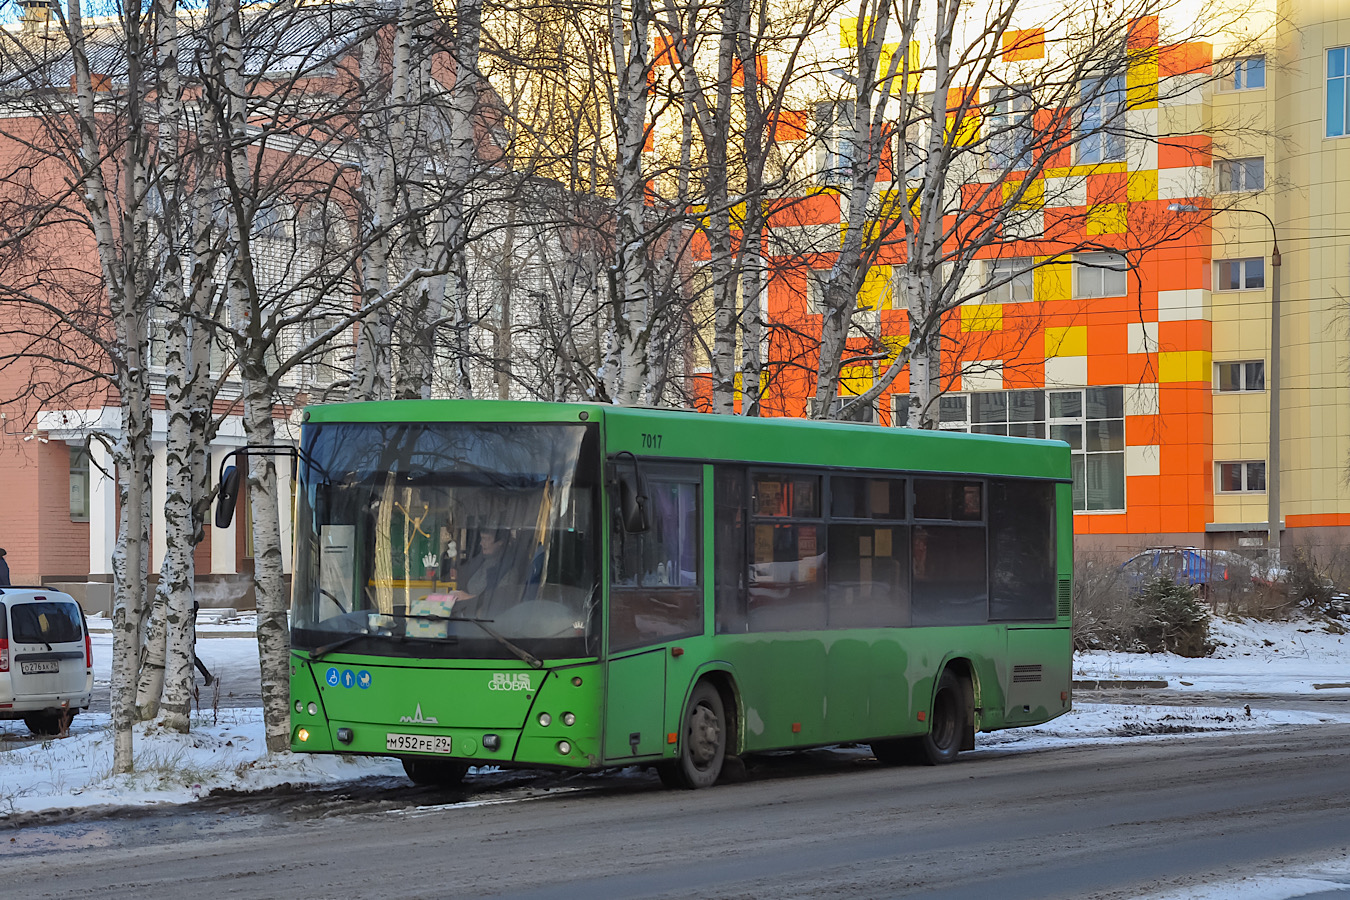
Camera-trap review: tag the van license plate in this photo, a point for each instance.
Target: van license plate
(417, 743)
(37, 668)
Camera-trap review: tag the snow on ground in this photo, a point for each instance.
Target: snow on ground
(1262, 658)
(1326, 879)
(226, 747)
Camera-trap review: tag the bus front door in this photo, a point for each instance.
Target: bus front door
(635, 707)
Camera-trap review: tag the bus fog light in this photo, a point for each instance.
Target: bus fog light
(313, 708)
(492, 742)
(344, 735)
(569, 719)
(545, 720)
(302, 735)
(564, 747)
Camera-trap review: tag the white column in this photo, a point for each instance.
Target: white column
(159, 497)
(285, 493)
(222, 539)
(102, 509)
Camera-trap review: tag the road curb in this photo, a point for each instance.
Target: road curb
(1130, 684)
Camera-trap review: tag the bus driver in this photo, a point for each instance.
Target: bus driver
(484, 573)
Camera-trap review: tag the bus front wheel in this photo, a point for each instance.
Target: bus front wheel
(435, 772)
(703, 744)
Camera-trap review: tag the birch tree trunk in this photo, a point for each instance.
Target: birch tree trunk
(268, 576)
(373, 364)
(121, 270)
(462, 155)
(631, 284)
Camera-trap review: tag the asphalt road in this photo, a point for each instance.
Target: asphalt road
(1105, 821)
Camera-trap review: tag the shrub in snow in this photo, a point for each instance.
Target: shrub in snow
(1174, 619)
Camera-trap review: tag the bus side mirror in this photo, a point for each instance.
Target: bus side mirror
(633, 503)
(228, 497)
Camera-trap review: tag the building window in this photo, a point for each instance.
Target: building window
(1100, 275)
(1234, 377)
(1010, 127)
(1009, 280)
(1240, 274)
(1338, 98)
(816, 279)
(1242, 477)
(79, 484)
(834, 151)
(1103, 102)
(1092, 422)
(1013, 413)
(1245, 74)
(1247, 174)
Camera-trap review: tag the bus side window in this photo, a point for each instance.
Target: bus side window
(656, 589)
(1022, 551)
(948, 553)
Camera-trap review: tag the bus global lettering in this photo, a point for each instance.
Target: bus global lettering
(509, 681)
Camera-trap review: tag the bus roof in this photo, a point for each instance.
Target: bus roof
(679, 434)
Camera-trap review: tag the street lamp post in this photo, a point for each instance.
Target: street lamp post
(1272, 386)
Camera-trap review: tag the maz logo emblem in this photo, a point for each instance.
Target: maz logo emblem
(418, 719)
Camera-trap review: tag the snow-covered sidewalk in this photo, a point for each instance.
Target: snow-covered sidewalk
(1252, 659)
(226, 749)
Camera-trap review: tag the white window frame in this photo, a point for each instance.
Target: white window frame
(1342, 81)
(1245, 368)
(1248, 468)
(1244, 266)
(1012, 131)
(1097, 266)
(1101, 107)
(834, 153)
(816, 280)
(81, 466)
(1237, 74)
(1018, 276)
(1240, 175)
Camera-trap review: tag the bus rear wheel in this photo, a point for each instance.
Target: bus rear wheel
(943, 740)
(435, 772)
(703, 742)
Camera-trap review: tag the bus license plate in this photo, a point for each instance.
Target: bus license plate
(417, 743)
(37, 668)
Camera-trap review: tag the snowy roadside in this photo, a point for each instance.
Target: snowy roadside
(226, 748)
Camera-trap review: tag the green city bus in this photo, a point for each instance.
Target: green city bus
(586, 586)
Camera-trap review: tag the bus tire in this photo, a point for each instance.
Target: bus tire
(703, 742)
(435, 772)
(946, 723)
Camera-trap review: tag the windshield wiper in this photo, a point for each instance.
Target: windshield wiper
(320, 652)
(524, 656)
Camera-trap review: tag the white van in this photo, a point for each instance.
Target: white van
(46, 662)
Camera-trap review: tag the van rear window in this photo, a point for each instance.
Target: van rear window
(53, 623)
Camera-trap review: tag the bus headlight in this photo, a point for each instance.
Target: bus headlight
(564, 747)
(299, 706)
(569, 719)
(545, 720)
(313, 708)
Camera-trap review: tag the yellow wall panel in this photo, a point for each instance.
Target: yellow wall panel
(854, 380)
(1185, 365)
(1070, 340)
(1141, 78)
(982, 317)
(1142, 186)
(1054, 281)
(875, 292)
(1107, 218)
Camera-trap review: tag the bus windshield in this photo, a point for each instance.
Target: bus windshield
(448, 540)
